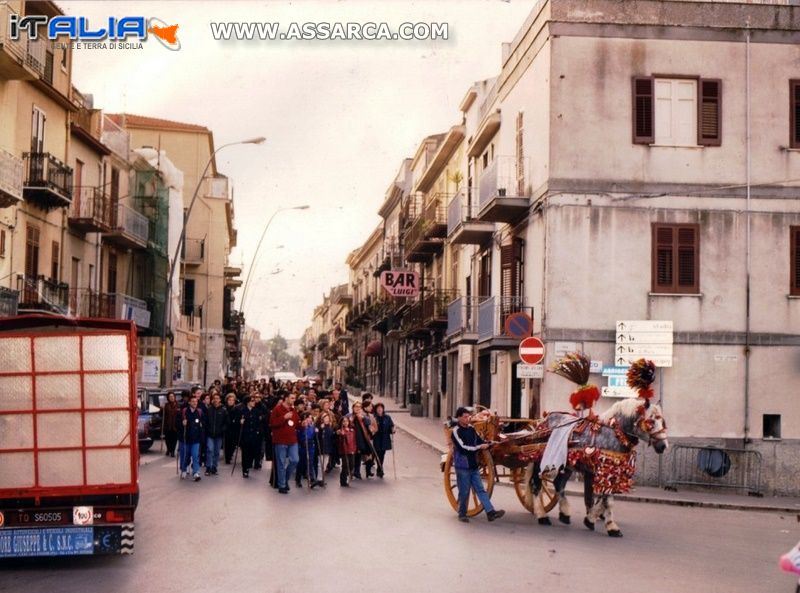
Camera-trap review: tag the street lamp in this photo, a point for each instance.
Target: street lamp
(173, 262)
(255, 254)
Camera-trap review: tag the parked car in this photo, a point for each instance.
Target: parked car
(150, 403)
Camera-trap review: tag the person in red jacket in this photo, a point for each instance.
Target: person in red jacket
(284, 422)
(347, 450)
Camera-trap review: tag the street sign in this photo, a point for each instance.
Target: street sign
(643, 350)
(562, 348)
(151, 369)
(400, 283)
(531, 350)
(595, 366)
(611, 371)
(659, 361)
(644, 326)
(646, 338)
(519, 325)
(618, 392)
(530, 371)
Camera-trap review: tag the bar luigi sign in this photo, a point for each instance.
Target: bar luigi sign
(400, 283)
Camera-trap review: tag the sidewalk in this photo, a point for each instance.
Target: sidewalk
(430, 432)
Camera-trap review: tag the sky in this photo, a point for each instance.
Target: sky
(339, 117)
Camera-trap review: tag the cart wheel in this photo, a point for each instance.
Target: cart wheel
(522, 485)
(474, 507)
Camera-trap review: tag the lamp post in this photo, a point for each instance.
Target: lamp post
(255, 253)
(174, 260)
(253, 262)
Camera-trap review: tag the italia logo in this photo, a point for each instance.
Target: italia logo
(77, 28)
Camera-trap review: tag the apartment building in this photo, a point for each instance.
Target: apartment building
(207, 281)
(634, 161)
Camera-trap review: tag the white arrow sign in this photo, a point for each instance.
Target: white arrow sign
(643, 350)
(644, 326)
(659, 361)
(618, 392)
(645, 338)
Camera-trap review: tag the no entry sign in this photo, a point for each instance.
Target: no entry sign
(531, 350)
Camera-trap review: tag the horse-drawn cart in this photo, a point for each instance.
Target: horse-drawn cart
(511, 456)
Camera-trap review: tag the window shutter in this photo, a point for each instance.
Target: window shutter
(687, 259)
(794, 113)
(663, 264)
(643, 132)
(507, 270)
(710, 113)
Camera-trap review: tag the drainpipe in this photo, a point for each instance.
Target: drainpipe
(747, 245)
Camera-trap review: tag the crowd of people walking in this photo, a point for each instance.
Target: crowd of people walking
(304, 432)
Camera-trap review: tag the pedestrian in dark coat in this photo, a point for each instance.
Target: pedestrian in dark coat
(382, 441)
(364, 428)
(346, 437)
(192, 433)
(251, 423)
(232, 433)
(169, 416)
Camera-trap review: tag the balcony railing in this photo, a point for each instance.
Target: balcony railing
(434, 306)
(10, 179)
(9, 300)
(191, 319)
(84, 302)
(193, 251)
(462, 317)
(423, 238)
(463, 225)
(36, 56)
(91, 210)
(492, 314)
(503, 179)
(48, 181)
(131, 228)
(116, 138)
(39, 292)
(89, 120)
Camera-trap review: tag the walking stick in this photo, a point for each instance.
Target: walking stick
(368, 438)
(238, 444)
(308, 462)
(320, 457)
(394, 454)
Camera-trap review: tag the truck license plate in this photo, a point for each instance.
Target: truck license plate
(55, 541)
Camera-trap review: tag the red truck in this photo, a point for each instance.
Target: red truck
(68, 445)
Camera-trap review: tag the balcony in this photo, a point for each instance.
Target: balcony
(116, 138)
(343, 297)
(131, 230)
(232, 274)
(501, 192)
(412, 326)
(14, 61)
(11, 168)
(90, 211)
(322, 341)
(44, 294)
(84, 302)
(492, 314)
(193, 252)
(190, 320)
(462, 321)
(434, 307)
(424, 238)
(232, 322)
(8, 302)
(463, 225)
(49, 181)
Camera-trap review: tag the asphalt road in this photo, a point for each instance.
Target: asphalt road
(228, 534)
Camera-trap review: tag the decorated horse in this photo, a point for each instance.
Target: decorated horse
(601, 448)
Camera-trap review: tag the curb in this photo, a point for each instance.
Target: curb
(438, 448)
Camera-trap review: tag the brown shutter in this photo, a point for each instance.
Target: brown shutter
(710, 113)
(795, 257)
(794, 113)
(643, 132)
(663, 258)
(687, 259)
(507, 270)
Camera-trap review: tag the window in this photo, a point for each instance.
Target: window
(31, 252)
(676, 258)
(112, 273)
(2, 243)
(39, 119)
(684, 111)
(188, 297)
(771, 426)
(794, 113)
(54, 275)
(520, 157)
(794, 288)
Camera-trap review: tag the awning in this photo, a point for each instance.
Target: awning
(374, 348)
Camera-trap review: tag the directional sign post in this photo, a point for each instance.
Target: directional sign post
(531, 350)
(643, 339)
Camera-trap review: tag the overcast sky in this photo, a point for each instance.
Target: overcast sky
(339, 117)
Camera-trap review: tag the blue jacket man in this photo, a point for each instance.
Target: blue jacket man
(191, 433)
(466, 444)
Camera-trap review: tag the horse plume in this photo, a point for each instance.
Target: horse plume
(640, 376)
(575, 367)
